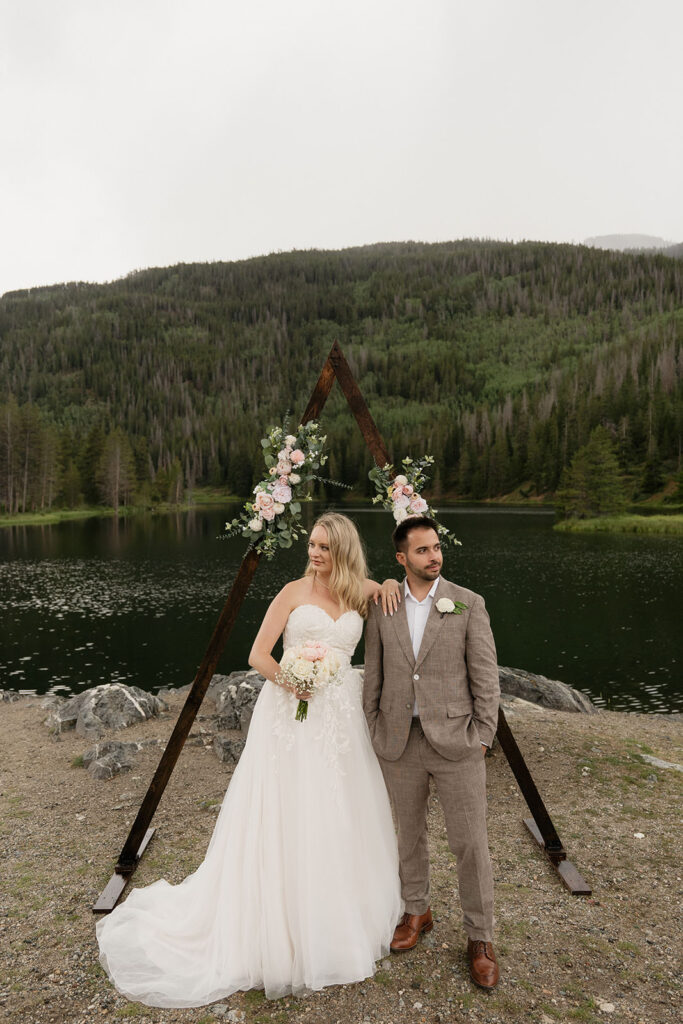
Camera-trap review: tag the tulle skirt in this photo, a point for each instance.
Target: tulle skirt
(299, 888)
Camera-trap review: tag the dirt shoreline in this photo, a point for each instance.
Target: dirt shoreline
(613, 956)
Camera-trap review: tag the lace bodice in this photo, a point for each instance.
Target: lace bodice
(336, 708)
(311, 622)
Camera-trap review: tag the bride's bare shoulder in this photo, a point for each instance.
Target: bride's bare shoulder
(295, 590)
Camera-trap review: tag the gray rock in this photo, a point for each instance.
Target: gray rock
(658, 763)
(105, 760)
(109, 706)
(9, 696)
(235, 696)
(548, 693)
(227, 749)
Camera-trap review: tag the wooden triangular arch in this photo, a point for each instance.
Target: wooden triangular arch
(540, 825)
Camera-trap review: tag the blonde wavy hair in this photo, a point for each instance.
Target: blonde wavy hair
(349, 568)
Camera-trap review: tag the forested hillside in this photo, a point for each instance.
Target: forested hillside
(497, 358)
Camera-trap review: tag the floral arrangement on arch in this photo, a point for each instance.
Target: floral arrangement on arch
(272, 519)
(401, 496)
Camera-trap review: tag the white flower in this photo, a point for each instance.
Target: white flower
(294, 478)
(445, 605)
(401, 480)
(255, 525)
(290, 440)
(400, 514)
(278, 508)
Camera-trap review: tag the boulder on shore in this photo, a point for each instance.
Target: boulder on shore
(107, 759)
(548, 693)
(105, 707)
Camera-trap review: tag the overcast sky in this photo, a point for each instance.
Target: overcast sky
(139, 133)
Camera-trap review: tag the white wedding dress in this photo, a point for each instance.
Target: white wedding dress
(299, 887)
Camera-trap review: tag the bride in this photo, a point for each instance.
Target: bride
(299, 887)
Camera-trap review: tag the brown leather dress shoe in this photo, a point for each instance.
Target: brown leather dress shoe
(408, 930)
(484, 970)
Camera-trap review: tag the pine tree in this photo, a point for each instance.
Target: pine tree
(592, 485)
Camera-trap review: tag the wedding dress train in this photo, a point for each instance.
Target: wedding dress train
(299, 888)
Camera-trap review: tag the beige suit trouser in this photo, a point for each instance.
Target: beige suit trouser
(461, 788)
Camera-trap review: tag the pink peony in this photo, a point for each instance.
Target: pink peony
(408, 489)
(284, 479)
(284, 467)
(282, 492)
(400, 500)
(297, 457)
(419, 505)
(284, 454)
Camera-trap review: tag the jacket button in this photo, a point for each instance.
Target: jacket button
(416, 676)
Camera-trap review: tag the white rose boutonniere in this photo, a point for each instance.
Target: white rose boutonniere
(447, 607)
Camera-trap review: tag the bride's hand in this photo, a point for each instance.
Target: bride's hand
(390, 594)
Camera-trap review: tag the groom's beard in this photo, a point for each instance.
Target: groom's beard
(429, 572)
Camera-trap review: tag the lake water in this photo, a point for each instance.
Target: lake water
(136, 600)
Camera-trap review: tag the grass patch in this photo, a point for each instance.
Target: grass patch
(55, 516)
(623, 524)
(382, 978)
(132, 1010)
(628, 947)
(254, 997)
(77, 761)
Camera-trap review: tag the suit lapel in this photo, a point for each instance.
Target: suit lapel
(432, 627)
(400, 623)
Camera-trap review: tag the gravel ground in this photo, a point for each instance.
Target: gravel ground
(613, 956)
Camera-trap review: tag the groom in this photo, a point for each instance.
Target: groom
(431, 702)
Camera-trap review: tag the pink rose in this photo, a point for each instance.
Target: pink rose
(408, 489)
(419, 505)
(284, 467)
(297, 457)
(284, 479)
(314, 651)
(284, 454)
(282, 493)
(400, 500)
(264, 504)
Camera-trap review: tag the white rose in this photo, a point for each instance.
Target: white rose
(278, 508)
(294, 478)
(255, 525)
(400, 514)
(401, 480)
(444, 605)
(290, 440)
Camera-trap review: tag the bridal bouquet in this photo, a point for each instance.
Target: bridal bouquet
(308, 666)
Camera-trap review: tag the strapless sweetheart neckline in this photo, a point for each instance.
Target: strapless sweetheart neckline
(306, 604)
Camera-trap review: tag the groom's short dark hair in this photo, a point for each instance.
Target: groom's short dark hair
(400, 534)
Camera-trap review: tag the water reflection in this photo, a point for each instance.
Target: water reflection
(136, 600)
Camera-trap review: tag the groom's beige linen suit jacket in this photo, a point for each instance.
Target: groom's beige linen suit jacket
(454, 678)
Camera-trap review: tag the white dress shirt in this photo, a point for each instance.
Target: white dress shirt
(417, 613)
